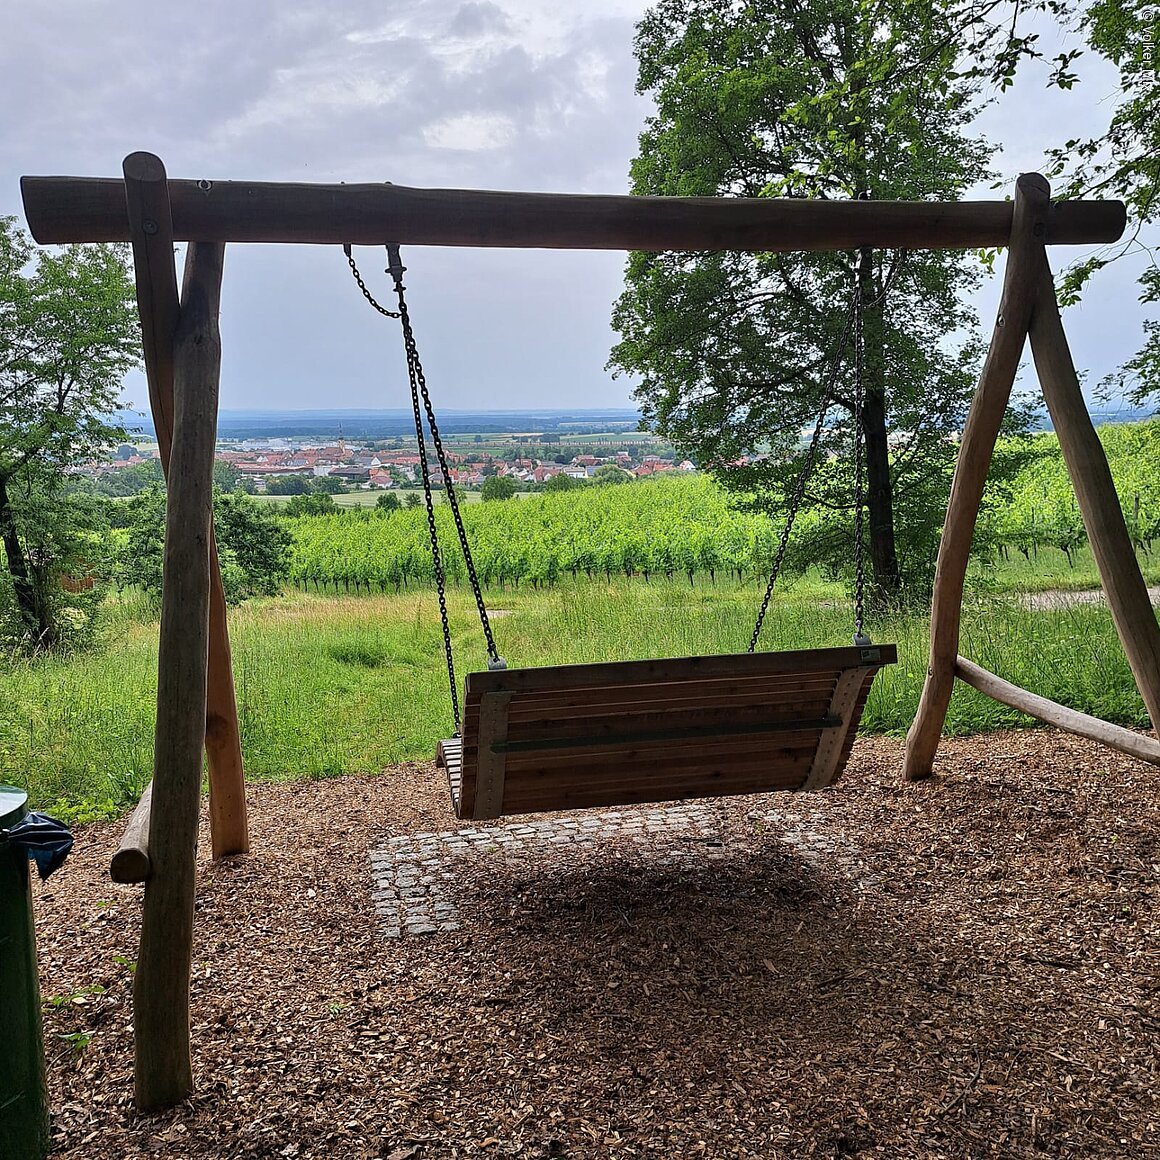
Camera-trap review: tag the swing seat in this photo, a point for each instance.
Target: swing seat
(574, 736)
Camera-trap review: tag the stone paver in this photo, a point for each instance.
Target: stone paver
(414, 874)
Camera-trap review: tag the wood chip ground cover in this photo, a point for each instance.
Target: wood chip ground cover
(964, 968)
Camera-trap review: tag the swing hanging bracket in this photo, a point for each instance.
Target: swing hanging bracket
(395, 266)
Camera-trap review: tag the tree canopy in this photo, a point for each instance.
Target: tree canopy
(736, 353)
(68, 335)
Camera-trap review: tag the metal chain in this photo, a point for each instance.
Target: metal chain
(363, 286)
(803, 475)
(419, 391)
(860, 637)
(425, 475)
(419, 387)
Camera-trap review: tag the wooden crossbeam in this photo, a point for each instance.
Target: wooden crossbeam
(88, 209)
(1043, 709)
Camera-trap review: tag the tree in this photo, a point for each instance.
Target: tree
(226, 477)
(996, 37)
(498, 487)
(253, 545)
(68, 335)
(124, 481)
(312, 504)
(288, 485)
(388, 503)
(610, 473)
(259, 543)
(736, 353)
(1123, 162)
(561, 481)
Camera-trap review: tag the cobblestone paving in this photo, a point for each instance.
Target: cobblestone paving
(414, 874)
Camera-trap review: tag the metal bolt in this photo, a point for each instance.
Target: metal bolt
(205, 186)
(149, 226)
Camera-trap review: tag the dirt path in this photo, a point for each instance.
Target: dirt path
(964, 968)
(1058, 598)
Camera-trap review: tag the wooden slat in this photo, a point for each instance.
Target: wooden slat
(645, 738)
(707, 694)
(1134, 744)
(653, 760)
(85, 209)
(788, 770)
(654, 718)
(449, 756)
(633, 674)
(600, 796)
(832, 743)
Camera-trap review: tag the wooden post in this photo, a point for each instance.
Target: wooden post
(131, 861)
(151, 229)
(1081, 724)
(1103, 517)
(1020, 281)
(164, 1074)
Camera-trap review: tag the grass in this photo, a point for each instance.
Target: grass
(329, 685)
(1049, 570)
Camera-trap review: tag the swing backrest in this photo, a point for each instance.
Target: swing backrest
(573, 736)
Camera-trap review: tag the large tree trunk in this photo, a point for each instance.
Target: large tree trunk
(879, 497)
(29, 600)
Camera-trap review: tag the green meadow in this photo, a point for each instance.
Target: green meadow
(328, 685)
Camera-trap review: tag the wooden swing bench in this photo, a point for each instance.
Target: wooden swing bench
(574, 736)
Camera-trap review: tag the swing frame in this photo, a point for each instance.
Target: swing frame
(182, 356)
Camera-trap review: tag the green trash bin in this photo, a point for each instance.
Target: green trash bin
(23, 1106)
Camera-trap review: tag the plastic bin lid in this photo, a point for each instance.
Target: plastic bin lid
(13, 805)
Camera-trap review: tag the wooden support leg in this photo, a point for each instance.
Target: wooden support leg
(151, 227)
(1032, 201)
(1124, 584)
(164, 1074)
(491, 767)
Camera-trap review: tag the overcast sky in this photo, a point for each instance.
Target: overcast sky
(486, 94)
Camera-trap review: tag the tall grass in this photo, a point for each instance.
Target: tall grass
(330, 685)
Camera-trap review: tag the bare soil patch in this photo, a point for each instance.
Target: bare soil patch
(963, 968)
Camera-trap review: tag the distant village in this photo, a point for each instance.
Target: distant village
(260, 463)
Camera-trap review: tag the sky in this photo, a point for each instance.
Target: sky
(481, 94)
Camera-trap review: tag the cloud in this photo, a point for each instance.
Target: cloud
(470, 131)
